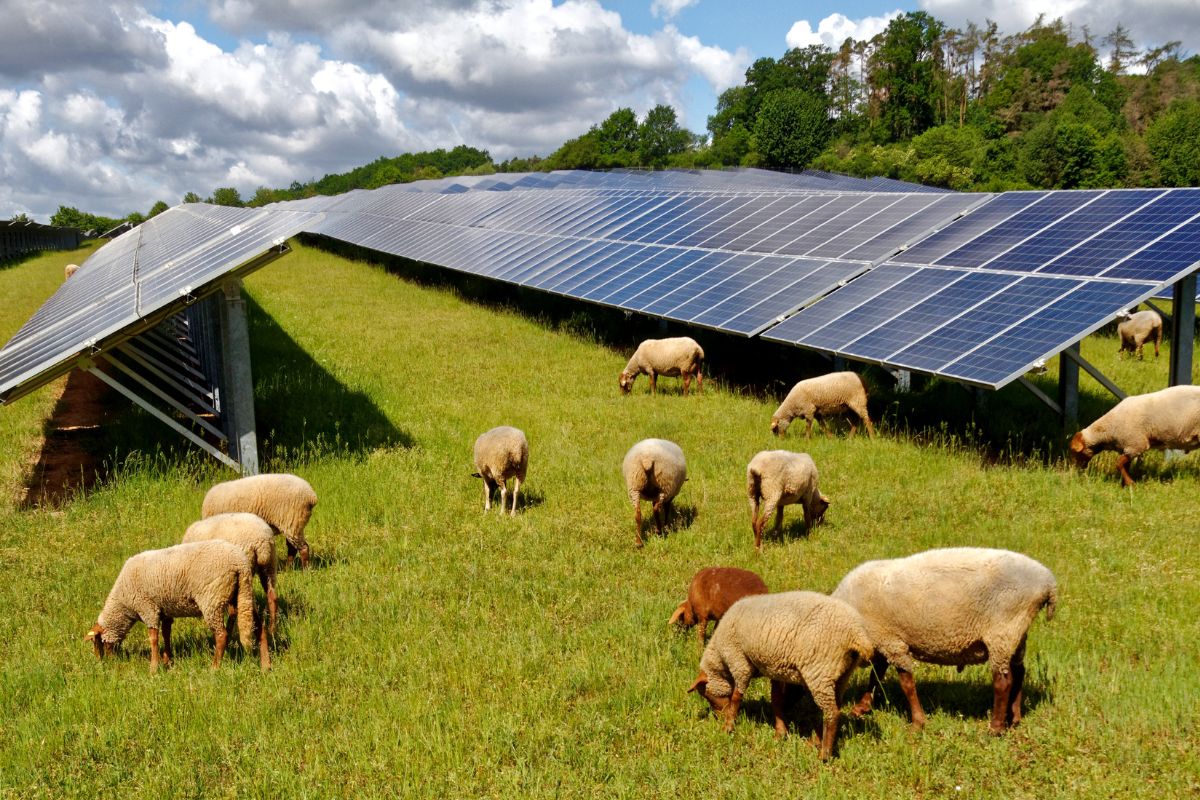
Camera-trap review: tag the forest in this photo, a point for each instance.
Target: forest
(972, 109)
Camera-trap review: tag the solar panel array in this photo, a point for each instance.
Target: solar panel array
(974, 287)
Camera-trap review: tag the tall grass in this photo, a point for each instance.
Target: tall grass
(436, 651)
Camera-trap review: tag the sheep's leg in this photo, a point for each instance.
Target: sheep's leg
(653, 383)
(702, 631)
(166, 641)
(503, 496)
(687, 382)
(264, 657)
(829, 734)
(879, 665)
(153, 650)
(291, 552)
(304, 556)
(487, 495)
(268, 585)
(808, 428)
(779, 521)
(660, 516)
(1017, 693)
(699, 382)
(909, 686)
(637, 520)
(866, 420)
(516, 488)
(219, 641)
(1002, 684)
(1123, 463)
(778, 698)
(731, 710)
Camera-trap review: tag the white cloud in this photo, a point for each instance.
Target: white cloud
(669, 9)
(836, 28)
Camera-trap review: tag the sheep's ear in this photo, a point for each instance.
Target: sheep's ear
(678, 615)
(89, 636)
(701, 683)
(476, 475)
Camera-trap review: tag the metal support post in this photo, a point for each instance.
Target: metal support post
(903, 380)
(1068, 388)
(237, 400)
(1183, 307)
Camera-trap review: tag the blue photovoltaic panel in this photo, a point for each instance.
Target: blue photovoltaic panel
(925, 316)
(931, 352)
(1163, 259)
(649, 275)
(964, 230)
(762, 280)
(841, 302)
(1020, 226)
(678, 277)
(655, 257)
(682, 303)
(787, 298)
(1063, 322)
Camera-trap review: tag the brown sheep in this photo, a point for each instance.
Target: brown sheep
(712, 591)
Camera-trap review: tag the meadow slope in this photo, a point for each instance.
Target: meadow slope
(437, 652)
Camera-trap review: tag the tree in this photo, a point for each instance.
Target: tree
(191, 197)
(905, 74)
(659, 137)
(618, 134)
(157, 209)
(1174, 143)
(227, 196)
(1123, 52)
(791, 128)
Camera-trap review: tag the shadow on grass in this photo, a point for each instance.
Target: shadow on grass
(792, 530)
(526, 499)
(967, 699)
(318, 558)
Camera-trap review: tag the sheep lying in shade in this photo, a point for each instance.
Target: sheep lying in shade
(792, 638)
(284, 501)
(823, 397)
(654, 470)
(1168, 419)
(775, 478)
(197, 579)
(710, 594)
(677, 357)
(955, 606)
(500, 454)
(1137, 329)
(254, 536)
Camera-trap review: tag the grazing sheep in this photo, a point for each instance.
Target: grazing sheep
(284, 501)
(500, 454)
(677, 357)
(710, 594)
(955, 606)
(792, 638)
(251, 534)
(1137, 329)
(824, 396)
(776, 478)
(1168, 419)
(197, 579)
(69, 270)
(654, 470)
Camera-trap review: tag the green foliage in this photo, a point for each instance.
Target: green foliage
(191, 197)
(158, 208)
(791, 128)
(659, 136)
(69, 217)
(1174, 143)
(904, 71)
(226, 196)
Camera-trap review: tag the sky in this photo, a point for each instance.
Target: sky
(110, 107)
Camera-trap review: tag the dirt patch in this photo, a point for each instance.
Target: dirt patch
(68, 459)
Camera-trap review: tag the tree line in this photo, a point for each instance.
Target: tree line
(967, 109)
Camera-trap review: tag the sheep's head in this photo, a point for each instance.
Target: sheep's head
(1080, 451)
(820, 506)
(700, 687)
(683, 615)
(100, 647)
(625, 382)
(779, 425)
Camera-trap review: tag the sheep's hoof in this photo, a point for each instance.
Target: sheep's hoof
(997, 730)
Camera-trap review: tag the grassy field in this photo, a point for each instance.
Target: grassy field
(437, 652)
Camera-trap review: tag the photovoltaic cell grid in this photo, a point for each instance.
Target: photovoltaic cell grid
(1018, 279)
(135, 278)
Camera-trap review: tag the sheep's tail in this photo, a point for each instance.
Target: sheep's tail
(245, 606)
(753, 485)
(1050, 602)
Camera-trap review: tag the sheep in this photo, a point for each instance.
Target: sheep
(69, 270)
(654, 470)
(500, 454)
(954, 606)
(710, 594)
(1168, 419)
(251, 534)
(823, 396)
(677, 357)
(775, 478)
(792, 638)
(1136, 330)
(284, 501)
(197, 579)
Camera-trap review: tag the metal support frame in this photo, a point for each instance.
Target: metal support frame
(903, 380)
(1040, 395)
(1072, 353)
(237, 401)
(1183, 308)
(1068, 387)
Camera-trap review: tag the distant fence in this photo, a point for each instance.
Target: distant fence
(19, 238)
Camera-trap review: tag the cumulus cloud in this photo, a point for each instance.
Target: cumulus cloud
(836, 28)
(669, 9)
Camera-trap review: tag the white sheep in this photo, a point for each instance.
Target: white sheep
(954, 606)
(254, 536)
(822, 397)
(500, 454)
(793, 638)
(775, 478)
(654, 470)
(197, 579)
(1137, 329)
(284, 501)
(69, 270)
(680, 356)
(1168, 419)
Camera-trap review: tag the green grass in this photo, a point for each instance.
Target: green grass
(435, 651)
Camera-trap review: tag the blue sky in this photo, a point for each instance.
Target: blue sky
(110, 107)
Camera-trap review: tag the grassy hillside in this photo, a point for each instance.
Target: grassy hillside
(435, 651)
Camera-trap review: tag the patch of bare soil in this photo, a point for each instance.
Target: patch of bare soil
(68, 459)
